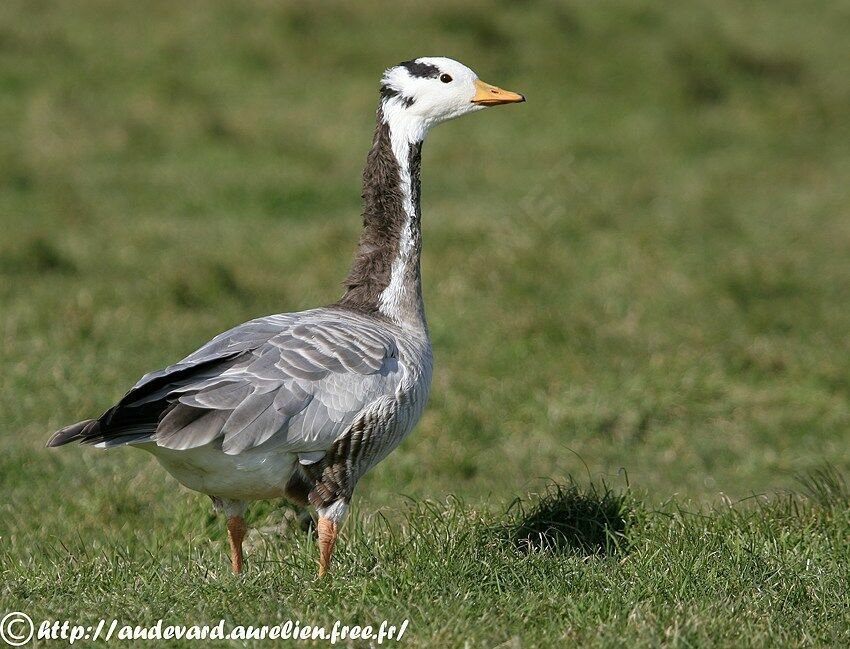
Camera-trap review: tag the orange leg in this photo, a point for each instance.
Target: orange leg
(328, 531)
(235, 534)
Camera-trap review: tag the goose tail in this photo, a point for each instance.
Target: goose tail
(72, 433)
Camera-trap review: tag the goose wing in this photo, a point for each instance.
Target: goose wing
(293, 380)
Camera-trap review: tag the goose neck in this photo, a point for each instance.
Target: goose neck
(385, 278)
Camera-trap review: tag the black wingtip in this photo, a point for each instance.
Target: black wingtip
(68, 434)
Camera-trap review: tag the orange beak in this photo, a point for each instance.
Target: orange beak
(487, 95)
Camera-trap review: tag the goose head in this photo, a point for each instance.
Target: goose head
(434, 89)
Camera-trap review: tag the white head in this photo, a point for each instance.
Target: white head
(433, 89)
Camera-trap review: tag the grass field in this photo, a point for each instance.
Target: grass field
(640, 278)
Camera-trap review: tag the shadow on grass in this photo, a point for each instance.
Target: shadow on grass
(569, 518)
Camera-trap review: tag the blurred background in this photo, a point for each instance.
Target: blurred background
(645, 269)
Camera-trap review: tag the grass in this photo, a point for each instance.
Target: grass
(581, 566)
(643, 269)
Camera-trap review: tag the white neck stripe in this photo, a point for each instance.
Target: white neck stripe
(405, 130)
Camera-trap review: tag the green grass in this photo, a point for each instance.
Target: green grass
(643, 271)
(571, 566)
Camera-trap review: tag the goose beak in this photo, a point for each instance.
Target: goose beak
(487, 95)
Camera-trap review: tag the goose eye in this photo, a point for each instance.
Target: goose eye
(445, 78)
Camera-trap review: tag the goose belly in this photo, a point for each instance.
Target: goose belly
(251, 475)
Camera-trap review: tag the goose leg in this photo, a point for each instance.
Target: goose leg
(235, 535)
(234, 511)
(305, 520)
(330, 520)
(328, 531)
(298, 492)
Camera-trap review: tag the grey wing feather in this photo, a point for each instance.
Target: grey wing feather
(292, 380)
(225, 395)
(326, 373)
(185, 428)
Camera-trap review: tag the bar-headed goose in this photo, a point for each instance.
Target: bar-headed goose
(302, 405)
